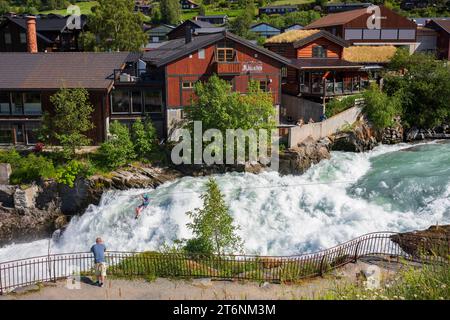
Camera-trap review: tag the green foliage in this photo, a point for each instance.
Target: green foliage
(170, 11)
(298, 17)
(4, 7)
(336, 106)
(116, 27)
(71, 120)
(212, 225)
(424, 86)
(144, 138)
(31, 168)
(430, 282)
(243, 22)
(68, 173)
(220, 108)
(118, 149)
(380, 108)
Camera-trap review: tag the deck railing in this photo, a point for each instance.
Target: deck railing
(52, 267)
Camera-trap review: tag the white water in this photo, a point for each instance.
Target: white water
(277, 215)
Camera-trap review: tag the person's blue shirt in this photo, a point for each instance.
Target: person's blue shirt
(98, 250)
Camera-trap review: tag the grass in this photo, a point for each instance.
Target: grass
(85, 8)
(431, 282)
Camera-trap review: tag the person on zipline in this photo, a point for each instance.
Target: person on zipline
(145, 203)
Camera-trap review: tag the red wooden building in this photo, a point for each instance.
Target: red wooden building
(358, 27)
(317, 69)
(176, 66)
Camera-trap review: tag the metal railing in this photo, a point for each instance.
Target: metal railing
(52, 267)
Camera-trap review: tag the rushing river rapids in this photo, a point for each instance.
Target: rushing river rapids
(392, 188)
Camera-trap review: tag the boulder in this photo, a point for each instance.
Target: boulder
(432, 241)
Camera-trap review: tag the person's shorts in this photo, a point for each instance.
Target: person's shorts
(100, 269)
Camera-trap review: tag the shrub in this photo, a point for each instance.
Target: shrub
(336, 106)
(380, 108)
(31, 168)
(71, 171)
(119, 149)
(143, 135)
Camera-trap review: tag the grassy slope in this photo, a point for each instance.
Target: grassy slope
(85, 8)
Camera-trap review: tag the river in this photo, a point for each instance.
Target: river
(391, 188)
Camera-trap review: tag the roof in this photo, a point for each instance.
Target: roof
(369, 54)
(280, 7)
(53, 23)
(301, 37)
(336, 19)
(177, 48)
(88, 70)
(213, 16)
(424, 21)
(324, 63)
(209, 30)
(253, 26)
(443, 24)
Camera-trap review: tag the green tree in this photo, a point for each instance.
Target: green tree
(424, 85)
(243, 22)
(202, 10)
(116, 27)
(380, 108)
(212, 225)
(68, 125)
(118, 149)
(144, 137)
(220, 108)
(4, 7)
(170, 11)
(156, 16)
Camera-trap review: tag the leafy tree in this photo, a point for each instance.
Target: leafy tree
(156, 16)
(118, 149)
(220, 108)
(170, 11)
(212, 225)
(380, 108)
(424, 85)
(116, 27)
(202, 10)
(4, 7)
(243, 22)
(143, 136)
(68, 125)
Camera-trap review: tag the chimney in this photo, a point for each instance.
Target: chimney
(31, 34)
(188, 35)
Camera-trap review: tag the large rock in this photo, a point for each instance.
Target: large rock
(297, 160)
(418, 134)
(433, 241)
(361, 138)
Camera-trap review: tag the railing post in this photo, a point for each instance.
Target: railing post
(356, 251)
(321, 265)
(1, 283)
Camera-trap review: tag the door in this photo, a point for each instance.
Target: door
(19, 134)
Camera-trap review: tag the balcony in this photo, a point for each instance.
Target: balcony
(226, 68)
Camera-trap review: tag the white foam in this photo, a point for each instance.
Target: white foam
(277, 215)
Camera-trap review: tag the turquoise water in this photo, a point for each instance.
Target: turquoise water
(391, 188)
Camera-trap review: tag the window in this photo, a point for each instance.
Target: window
(120, 101)
(371, 34)
(17, 103)
(409, 34)
(188, 84)
(23, 37)
(264, 85)
(319, 52)
(201, 54)
(32, 103)
(355, 34)
(152, 101)
(136, 101)
(8, 38)
(284, 72)
(31, 132)
(225, 54)
(389, 34)
(6, 134)
(4, 103)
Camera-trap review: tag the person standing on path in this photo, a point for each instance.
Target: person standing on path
(98, 249)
